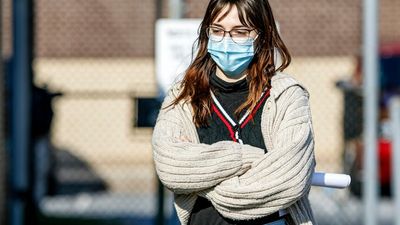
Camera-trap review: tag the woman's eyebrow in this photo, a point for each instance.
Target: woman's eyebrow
(217, 25)
(237, 26)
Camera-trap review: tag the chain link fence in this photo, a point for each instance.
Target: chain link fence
(98, 55)
(94, 65)
(324, 39)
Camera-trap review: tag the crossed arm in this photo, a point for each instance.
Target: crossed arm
(186, 167)
(241, 181)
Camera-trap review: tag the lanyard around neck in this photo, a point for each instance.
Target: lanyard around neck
(233, 127)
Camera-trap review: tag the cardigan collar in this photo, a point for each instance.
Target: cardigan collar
(279, 82)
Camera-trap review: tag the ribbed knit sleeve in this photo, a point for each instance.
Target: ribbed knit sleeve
(185, 166)
(283, 176)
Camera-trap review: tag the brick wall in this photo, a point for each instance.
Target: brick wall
(390, 20)
(321, 27)
(125, 28)
(95, 28)
(5, 32)
(313, 27)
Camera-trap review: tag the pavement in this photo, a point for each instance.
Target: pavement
(330, 207)
(340, 207)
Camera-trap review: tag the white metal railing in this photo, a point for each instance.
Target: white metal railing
(370, 85)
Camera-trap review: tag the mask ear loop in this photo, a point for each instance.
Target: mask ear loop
(257, 39)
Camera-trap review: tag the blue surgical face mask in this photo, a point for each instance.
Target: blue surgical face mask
(231, 58)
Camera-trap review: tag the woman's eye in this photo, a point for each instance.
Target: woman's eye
(217, 31)
(239, 32)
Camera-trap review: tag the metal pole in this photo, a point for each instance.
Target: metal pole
(159, 7)
(395, 125)
(370, 85)
(160, 219)
(3, 158)
(20, 108)
(175, 9)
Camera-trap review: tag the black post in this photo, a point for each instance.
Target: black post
(2, 128)
(20, 90)
(159, 7)
(160, 204)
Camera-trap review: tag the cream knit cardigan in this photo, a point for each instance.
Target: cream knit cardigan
(241, 181)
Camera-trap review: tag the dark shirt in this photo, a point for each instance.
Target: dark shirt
(231, 96)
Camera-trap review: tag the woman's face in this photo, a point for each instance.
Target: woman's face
(228, 20)
(231, 21)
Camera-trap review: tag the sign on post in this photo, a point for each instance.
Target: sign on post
(175, 40)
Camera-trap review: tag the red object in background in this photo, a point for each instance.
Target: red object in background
(389, 49)
(385, 164)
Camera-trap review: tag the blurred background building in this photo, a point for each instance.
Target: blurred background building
(94, 82)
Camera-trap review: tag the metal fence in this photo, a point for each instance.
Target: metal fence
(101, 64)
(94, 71)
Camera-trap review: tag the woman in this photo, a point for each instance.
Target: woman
(234, 138)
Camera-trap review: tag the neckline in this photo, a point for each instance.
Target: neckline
(228, 87)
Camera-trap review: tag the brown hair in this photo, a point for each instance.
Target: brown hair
(195, 84)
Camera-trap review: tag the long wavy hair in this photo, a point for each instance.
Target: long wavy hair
(195, 85)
